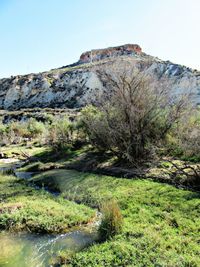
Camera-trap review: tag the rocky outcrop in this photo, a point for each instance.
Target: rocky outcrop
(76, 85)
(99, 54)
(64, 89)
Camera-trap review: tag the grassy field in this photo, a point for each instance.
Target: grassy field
(25, 208)
(161, 222)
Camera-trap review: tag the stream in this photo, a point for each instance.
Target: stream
(37, 250)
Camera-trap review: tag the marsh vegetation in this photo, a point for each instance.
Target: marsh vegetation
(137, 131)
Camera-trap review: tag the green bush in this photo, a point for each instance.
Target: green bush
(96, 127)
(60, 133)
(183, 140)
(35, 128)
(2, 128)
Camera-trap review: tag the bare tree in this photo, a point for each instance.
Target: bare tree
(134, 112)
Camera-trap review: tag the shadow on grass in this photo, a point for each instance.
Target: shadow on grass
(15, 188)
(86, 159)
(52, 155)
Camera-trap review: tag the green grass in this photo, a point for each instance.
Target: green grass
(25, 208)
(18, 150)
(194, 159)
(161, 223)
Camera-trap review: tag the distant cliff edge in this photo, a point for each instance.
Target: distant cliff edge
(76, 85)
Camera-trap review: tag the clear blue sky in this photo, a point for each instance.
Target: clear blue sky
(37, 35)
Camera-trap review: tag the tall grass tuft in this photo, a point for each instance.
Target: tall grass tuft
(112, 220)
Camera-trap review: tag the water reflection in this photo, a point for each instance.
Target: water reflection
(34, 250)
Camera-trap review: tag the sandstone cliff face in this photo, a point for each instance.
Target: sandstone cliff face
(76, 85)
(99, 54)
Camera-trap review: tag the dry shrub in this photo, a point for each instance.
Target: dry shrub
(189, 135)
(112, 220)
(134, 115)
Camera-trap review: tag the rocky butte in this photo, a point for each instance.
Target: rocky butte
(76, 85)
(99, 54)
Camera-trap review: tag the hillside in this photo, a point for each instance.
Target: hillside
(76, 85)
